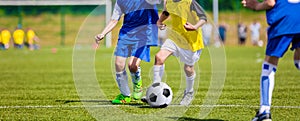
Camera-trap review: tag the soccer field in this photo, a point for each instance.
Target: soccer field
(39, 85)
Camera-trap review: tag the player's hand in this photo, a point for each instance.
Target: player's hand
(161, 26)
(189, 27)
(98, 38)
(244, 3)
(250, 4)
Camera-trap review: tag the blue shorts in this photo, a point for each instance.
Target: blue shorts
(279, 45)
(2, 46)
(129, 50)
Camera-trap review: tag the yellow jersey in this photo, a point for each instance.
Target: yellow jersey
(5, 36)
(19, 36)
(181, 12)
(30, 36)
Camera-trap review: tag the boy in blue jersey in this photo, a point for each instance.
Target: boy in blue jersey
(138, 33)
(284, 20)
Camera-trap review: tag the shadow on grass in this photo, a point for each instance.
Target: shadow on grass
(92, 101)
(193, 119)
(103, 102)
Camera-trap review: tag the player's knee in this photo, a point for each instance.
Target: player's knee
(120, 65)
(133, 67)
(159, 60)
(189, 70)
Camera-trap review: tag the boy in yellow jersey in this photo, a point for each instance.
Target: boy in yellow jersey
(5, 39)
(31, 39)
(19, 36)
(185, 41)
(1, 45)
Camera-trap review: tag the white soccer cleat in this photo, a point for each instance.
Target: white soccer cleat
(187, 98)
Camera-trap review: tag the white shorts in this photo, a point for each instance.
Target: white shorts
(186, 56)
(254, 39)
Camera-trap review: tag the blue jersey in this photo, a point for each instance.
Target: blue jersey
(283, 18)
(139, 25)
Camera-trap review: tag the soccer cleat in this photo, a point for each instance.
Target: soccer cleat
(187, 98)
(121, 99)
(262, 117)
(144, 99)
(137, 90)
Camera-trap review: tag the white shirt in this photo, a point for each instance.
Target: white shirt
(255, 27)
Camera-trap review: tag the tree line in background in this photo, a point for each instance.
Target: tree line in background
(224, 5)
(37, 10)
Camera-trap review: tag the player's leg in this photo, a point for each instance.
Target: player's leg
(135, 69)
(135, 72)
(275, 49)
(138, 54)
(168, 48)
(189, 58)
(1, 46)
(297, 58)
(190, 77)
(189, 90)
(267, 79)
(158, 68)
(122, 80)
(6, 46)
(296, 48)
(254, 40)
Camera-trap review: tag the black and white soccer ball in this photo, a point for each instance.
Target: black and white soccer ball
(159, 95)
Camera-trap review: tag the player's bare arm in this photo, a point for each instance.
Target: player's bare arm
(106, 30)
(255, 5)
(165, 14)
(200, 14)
(190, 27)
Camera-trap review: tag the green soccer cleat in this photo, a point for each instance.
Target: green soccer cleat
(121, 99)
(137, 90)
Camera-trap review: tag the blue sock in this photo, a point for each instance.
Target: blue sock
(266, 86)
(136, 77)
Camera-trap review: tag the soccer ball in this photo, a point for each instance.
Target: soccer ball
(153, 2)
(260, 43)
(159, 95)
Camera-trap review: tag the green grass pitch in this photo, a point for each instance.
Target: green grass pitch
(39, 85)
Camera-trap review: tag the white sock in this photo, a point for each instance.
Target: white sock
(264, 108)
(136, 77)
(266, 86)
(122, 81)
(158, 71)
(297, 64)
(190, 83)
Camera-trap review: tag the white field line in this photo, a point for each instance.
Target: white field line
(105, 106)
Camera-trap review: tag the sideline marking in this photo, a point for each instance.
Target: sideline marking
(105, 106)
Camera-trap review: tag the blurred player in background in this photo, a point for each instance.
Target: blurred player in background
(185, 40)
(206, 33)
(138, 33)
(5, 39)
(31, 40)
(284, 20)
(1, 44)
(255, 32)
(242, 33)
(19, 37)
(223, 28)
